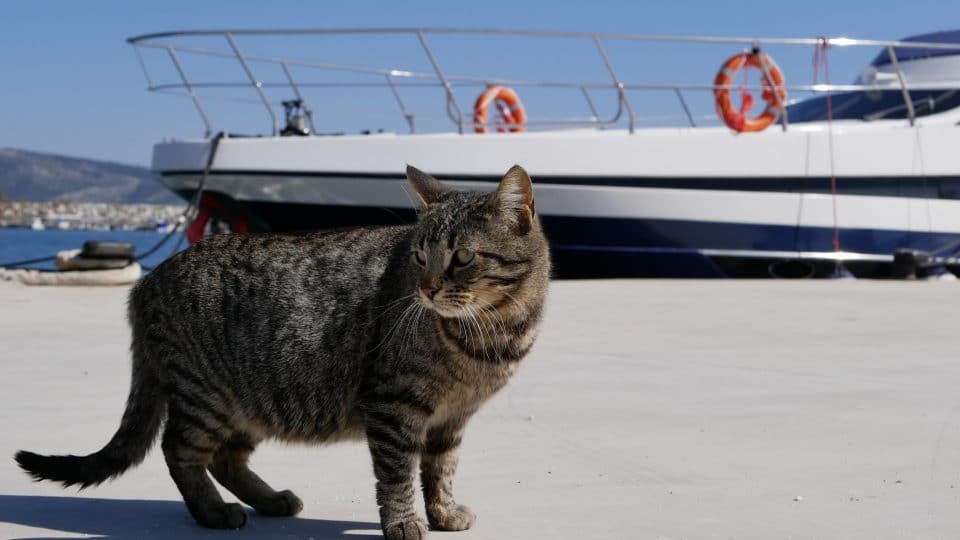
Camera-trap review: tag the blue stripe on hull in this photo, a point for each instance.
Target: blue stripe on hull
(657, 233)
(613, 247)
(934, 187)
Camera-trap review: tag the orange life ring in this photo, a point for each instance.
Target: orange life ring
(774, 94)
(508, 103)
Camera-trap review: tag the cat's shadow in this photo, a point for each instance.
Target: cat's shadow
(125, 519)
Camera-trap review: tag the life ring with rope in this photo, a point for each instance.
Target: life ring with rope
(511, 110)
(774, 94)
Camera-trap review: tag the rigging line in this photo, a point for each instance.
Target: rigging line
(797, 230)
(821, 58)
(181, 220)
(27, 261)
(194, 201)
(190, 212)
(923, 176)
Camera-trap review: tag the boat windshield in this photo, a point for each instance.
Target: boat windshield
(873, 105)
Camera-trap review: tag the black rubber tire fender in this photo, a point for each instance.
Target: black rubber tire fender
(100, 249)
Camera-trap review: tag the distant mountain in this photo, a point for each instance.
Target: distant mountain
(32, 176)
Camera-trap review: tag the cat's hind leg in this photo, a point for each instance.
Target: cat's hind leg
(230, 468)
(190, 439)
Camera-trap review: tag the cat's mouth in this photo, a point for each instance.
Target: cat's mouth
(444, 306)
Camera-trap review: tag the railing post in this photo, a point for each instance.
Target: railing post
(296, 92)
(253, 80)
(403, 108)
(189, 87)
(911, 113)
(593, 108)
(443, 80)
(683, 103)
(143, 65)
(616, 81)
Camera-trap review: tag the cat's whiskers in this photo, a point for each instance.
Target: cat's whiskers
(396, 324)
(470, 332)
(460, 326)
(408, 338)
(396, 301)
(470, 336)
(498, 331)
(483, 331)
(484, 323)
(410, 334)
(387, 309)
(522, 308)
(402, 330)
(471, 312)
(491, 312)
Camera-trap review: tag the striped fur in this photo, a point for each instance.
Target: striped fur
(392, 334)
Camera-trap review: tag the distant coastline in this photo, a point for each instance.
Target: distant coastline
(36, 176)
(87, 215)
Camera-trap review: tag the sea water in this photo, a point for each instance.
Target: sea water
(21, 244)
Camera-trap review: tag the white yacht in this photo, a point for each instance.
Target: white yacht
(824, 173)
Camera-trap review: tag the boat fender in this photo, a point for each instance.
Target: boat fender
(73, 260)
(916, 264)
(98, 249)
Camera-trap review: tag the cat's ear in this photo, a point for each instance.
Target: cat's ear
(427, 188)
(513, 199)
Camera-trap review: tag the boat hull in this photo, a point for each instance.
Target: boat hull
(657, 203)
(660, 233)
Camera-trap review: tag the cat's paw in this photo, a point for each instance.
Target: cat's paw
(283, 504)
(222, 516)
(412, 529)
(450, 518)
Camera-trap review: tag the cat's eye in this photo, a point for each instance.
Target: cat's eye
(462, 257)
(420, 257)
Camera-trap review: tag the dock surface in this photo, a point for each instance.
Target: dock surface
(647, 410)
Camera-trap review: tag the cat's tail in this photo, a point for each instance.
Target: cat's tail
(138, 430)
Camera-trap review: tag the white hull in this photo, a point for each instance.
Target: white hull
(588, 176)
(883, 148)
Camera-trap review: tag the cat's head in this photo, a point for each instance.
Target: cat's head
(472, 252)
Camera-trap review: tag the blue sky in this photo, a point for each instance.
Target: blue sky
(72, 85)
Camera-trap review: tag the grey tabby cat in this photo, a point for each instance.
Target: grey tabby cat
(392, 334)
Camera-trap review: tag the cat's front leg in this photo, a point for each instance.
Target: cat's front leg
(438, 464)
(395, 440)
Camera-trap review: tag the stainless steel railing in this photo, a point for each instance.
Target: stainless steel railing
(395, 79)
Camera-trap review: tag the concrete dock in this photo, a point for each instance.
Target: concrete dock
(648, 410)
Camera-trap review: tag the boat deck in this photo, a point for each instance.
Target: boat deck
(648, 409)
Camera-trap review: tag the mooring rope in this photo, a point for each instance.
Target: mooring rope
(185, 217)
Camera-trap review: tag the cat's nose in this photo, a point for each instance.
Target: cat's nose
(429, 286)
